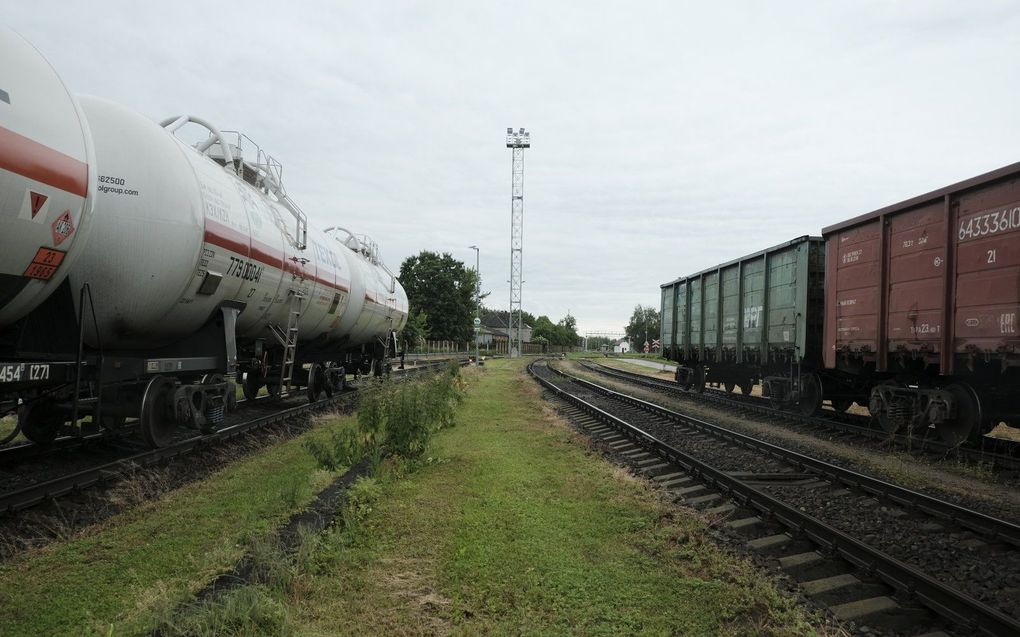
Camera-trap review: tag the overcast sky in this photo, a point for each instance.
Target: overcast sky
(666, 137)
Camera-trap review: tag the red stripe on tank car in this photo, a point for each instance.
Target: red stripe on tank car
(229, 239)
(29, 158)
(226, 238)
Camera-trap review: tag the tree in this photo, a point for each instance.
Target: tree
(416, 330)
(444, 289)
(644, 326)
(544, 328)
(562, 333)
(568, 330)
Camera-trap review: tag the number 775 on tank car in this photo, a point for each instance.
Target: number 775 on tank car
(142, 276)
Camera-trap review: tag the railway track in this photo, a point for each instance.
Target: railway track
(874, 552)
(124, 454)
(1001, 455)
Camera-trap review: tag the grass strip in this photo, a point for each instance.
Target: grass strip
(512, 525)
(115, 578)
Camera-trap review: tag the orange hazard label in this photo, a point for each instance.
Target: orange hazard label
(44, 263)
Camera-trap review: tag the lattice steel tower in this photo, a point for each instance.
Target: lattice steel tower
(517, 142)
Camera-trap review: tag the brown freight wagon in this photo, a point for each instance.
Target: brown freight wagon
(921, 305)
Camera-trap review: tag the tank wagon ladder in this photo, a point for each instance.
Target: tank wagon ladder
(288, 340)
(86, 294)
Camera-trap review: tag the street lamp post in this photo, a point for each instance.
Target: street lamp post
(478, 303)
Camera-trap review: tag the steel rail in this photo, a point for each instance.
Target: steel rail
(993, 529)
(935, 447)
(940, 598)
(34, 494)
(19, 452)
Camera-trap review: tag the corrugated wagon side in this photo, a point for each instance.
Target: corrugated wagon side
(667, 314)
(750, 320)
(922, 305)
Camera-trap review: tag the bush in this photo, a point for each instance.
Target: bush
(394, 419)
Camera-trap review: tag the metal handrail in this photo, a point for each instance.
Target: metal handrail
(268, 171)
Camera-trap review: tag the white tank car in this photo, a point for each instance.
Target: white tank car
(176, 235)
(45, 183)
(197, 263)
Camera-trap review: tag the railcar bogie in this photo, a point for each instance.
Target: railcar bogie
(918, 321)
(749, 321)
(176, 272)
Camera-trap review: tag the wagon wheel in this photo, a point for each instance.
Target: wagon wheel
(889, 422)
(158, 418)
(841, 404)
(229, 391)
(699, 379)
(768, 391)
(316, 382)
(747, 387)
(729, 385)
(253, 382)
(329, 373)
(686, 386)
(810, 395)
(969, 415)
(40, 420)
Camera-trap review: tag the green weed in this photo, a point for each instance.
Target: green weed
(394, 420)
(245, 612)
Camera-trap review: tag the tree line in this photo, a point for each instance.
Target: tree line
(441, 294)
(441, 298)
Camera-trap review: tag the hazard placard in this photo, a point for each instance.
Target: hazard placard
(37, 201)
(62, 228)
(44, 263)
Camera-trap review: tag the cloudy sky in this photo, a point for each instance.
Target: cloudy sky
(667, 137)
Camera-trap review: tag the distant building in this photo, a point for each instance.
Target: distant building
(494, 329)
(621, 346)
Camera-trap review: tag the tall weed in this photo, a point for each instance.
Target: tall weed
(395, 420)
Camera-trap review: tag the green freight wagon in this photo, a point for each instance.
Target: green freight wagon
(755, 319)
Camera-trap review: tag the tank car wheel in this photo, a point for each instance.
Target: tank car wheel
(969, 416)
(40, 421)
(316, 382)
(810, 395)
(730, 386)
(253, 382)
(229, 393)
(842, 404)
(159, 418)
